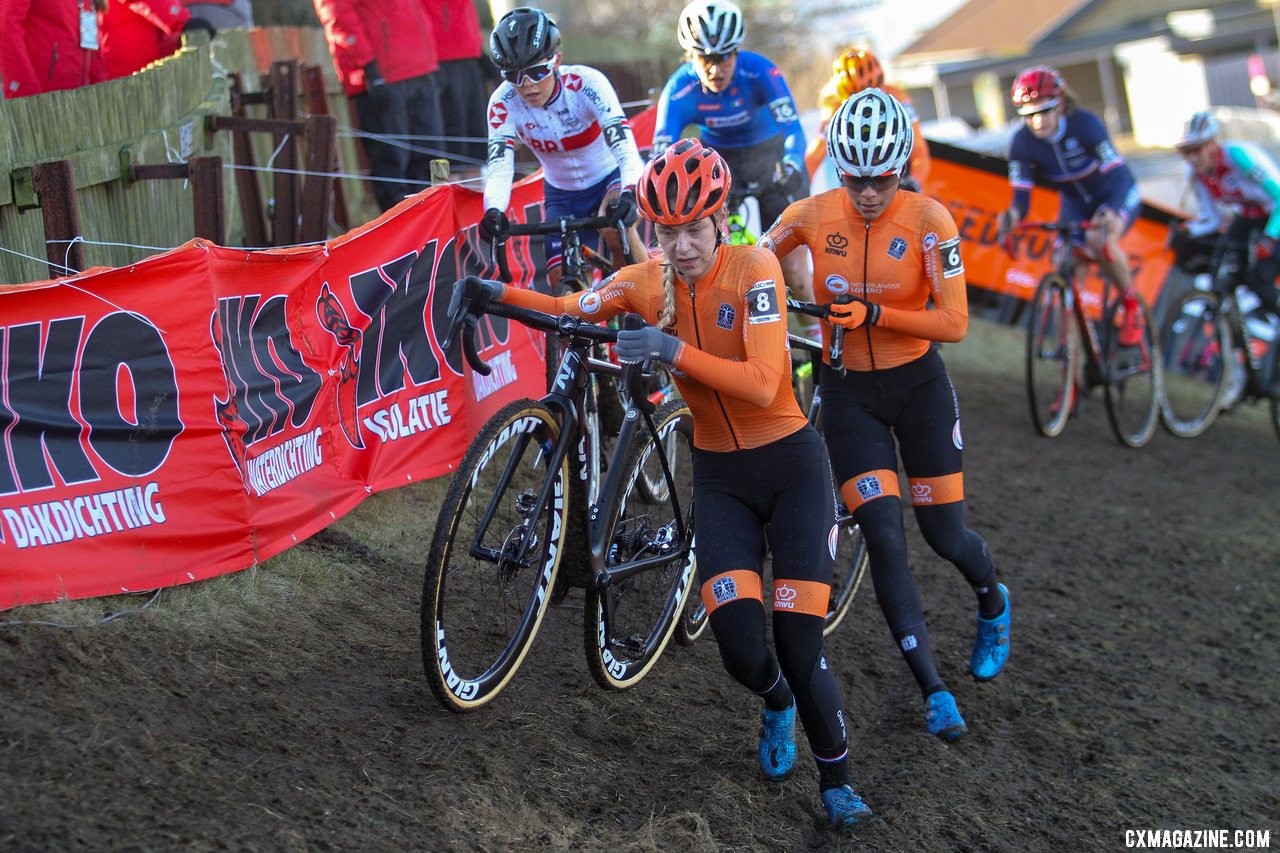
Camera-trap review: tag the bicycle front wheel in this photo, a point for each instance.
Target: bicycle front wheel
(1196, 344)
(1133, 370)
(629, 621)
(1052, 357)
(850, 570)
(494, 556)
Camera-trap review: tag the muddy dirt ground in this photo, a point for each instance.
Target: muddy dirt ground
(285, 708)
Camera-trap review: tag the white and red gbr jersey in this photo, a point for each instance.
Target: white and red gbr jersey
(579, 137)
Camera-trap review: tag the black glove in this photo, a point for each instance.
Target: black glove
(623, 208)
(790, 179)
(494, 225)
(199, 24)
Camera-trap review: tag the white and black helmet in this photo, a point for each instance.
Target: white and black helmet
(1201, 127)
(870, 134)
(711, 26)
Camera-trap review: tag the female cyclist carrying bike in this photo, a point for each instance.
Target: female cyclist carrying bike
(760, 477)
(890, 253)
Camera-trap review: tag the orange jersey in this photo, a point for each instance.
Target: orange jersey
(734, 369)
(902, 259)
(829, 101)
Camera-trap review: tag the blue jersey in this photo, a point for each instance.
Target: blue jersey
(755, 106)
(1079, 161)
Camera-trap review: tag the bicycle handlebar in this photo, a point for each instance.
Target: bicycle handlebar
(822, 312)
(1062, 227)
(464, 322)
(563, 225)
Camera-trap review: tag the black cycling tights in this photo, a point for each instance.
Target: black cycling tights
(899, 598)
(776, 498)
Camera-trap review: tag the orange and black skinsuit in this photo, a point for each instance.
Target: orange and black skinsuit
(896, 385)
(761, 478)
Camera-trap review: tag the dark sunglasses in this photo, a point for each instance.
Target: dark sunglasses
(532, 74)
(879, 183)
(713, 58)
(1188, 150)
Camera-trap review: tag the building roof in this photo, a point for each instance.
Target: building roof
(990, 28)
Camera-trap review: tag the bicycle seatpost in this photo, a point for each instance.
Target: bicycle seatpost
(837, 339)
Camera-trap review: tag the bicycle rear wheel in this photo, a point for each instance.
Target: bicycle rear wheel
(851, 567)
(624, 640)
(1196, 344)
(1052, 357)
(482, 603)
(1134, 374)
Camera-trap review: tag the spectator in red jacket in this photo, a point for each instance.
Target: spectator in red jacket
(136, 33)
(385, 54)
(463, 94)
(47, 46)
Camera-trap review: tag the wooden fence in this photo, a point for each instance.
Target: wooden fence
(161, 115)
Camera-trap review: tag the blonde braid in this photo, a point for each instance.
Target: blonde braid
(667, 318)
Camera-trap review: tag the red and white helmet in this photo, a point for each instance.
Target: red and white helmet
(1037, 88)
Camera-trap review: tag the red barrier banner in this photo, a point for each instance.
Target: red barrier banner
(204, 409)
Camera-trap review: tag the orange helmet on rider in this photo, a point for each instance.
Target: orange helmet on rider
(854, 70)
(1037, 88)
(683, 184)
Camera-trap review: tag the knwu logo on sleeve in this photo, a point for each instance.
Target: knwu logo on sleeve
(725, 316)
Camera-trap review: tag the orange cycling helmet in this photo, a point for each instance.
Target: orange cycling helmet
(856, 69)
(1037, 88)
(683, 184)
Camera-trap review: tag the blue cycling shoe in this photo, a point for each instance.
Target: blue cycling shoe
(777, 743)
(942, 717)
(991, 645)
(844, 807)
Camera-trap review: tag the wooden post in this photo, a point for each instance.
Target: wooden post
(284, 105)
(55, 186)
(439, 172)
(317, 193)
(247, 187)
(208, 204)
(317, 101)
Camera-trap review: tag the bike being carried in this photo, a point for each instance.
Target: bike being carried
(1220, 341)
(521, 518)
(1068, 147)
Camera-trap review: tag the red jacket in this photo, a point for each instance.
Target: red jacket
(397, 33)
(40, 48)
(457, 29)
(136, 33)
